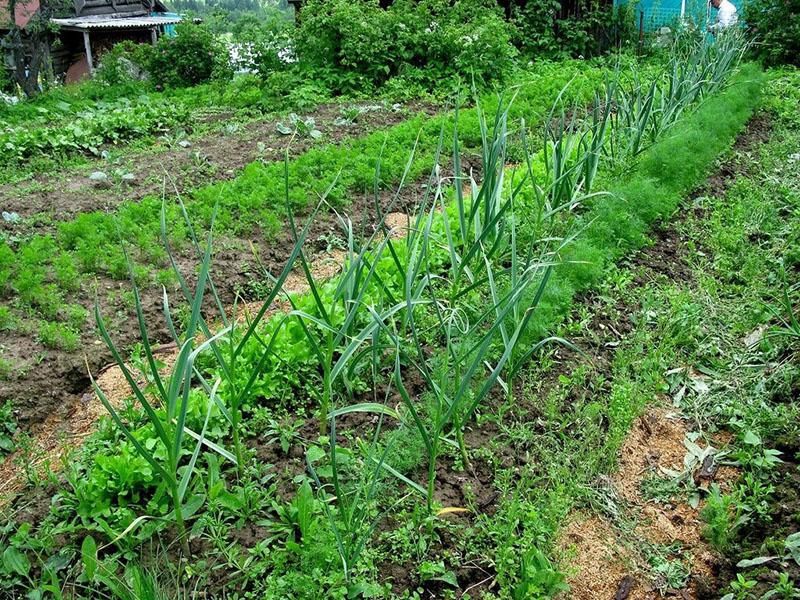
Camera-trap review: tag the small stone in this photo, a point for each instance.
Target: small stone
(185, 144)
(10, 217)
(128, 178)
(99, 179)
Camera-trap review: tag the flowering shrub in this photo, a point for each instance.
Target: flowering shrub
(354, 45)
(263, 46)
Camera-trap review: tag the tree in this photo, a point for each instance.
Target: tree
(27, 49)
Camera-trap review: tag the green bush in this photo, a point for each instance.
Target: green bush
(776, 25)
(6, 81)
(357, 45)
(470, 39)
(191, 57)
(544, 30)
(126, 62)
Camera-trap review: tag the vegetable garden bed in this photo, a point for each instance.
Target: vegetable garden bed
(386, 433)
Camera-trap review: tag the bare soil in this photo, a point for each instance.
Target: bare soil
(606, 559)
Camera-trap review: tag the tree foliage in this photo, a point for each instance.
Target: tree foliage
(776, 25)
(26, 50)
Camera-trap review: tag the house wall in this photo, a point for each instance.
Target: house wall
(23, 11)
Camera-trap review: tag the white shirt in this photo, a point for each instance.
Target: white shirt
(726, 15)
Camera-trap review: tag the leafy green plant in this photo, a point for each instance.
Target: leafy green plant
(350, 114)
(238, 378)
(302, 126)
(8, 427)
(741, 587)
(285, 431)
(110, 122)
(296, 520)
(336, 323)
(668, 572)
(784, 589)
(538, 578)
(58, 335)
(791, 547)
(724, 515)
(752, 453)
(167, 415)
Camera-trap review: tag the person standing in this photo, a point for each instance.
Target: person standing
(726, 15)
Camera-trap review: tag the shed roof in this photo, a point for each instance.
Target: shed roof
(106, 22)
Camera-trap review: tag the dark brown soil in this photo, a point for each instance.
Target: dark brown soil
(757, 132)
(666, 256)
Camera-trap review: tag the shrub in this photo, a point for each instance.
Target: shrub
(469, 39)
(264, 45)
(126, 62)
(776, 25)
(346, 42)
(356, 45)
(6, 82)
(193, 56)
(544, 29)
